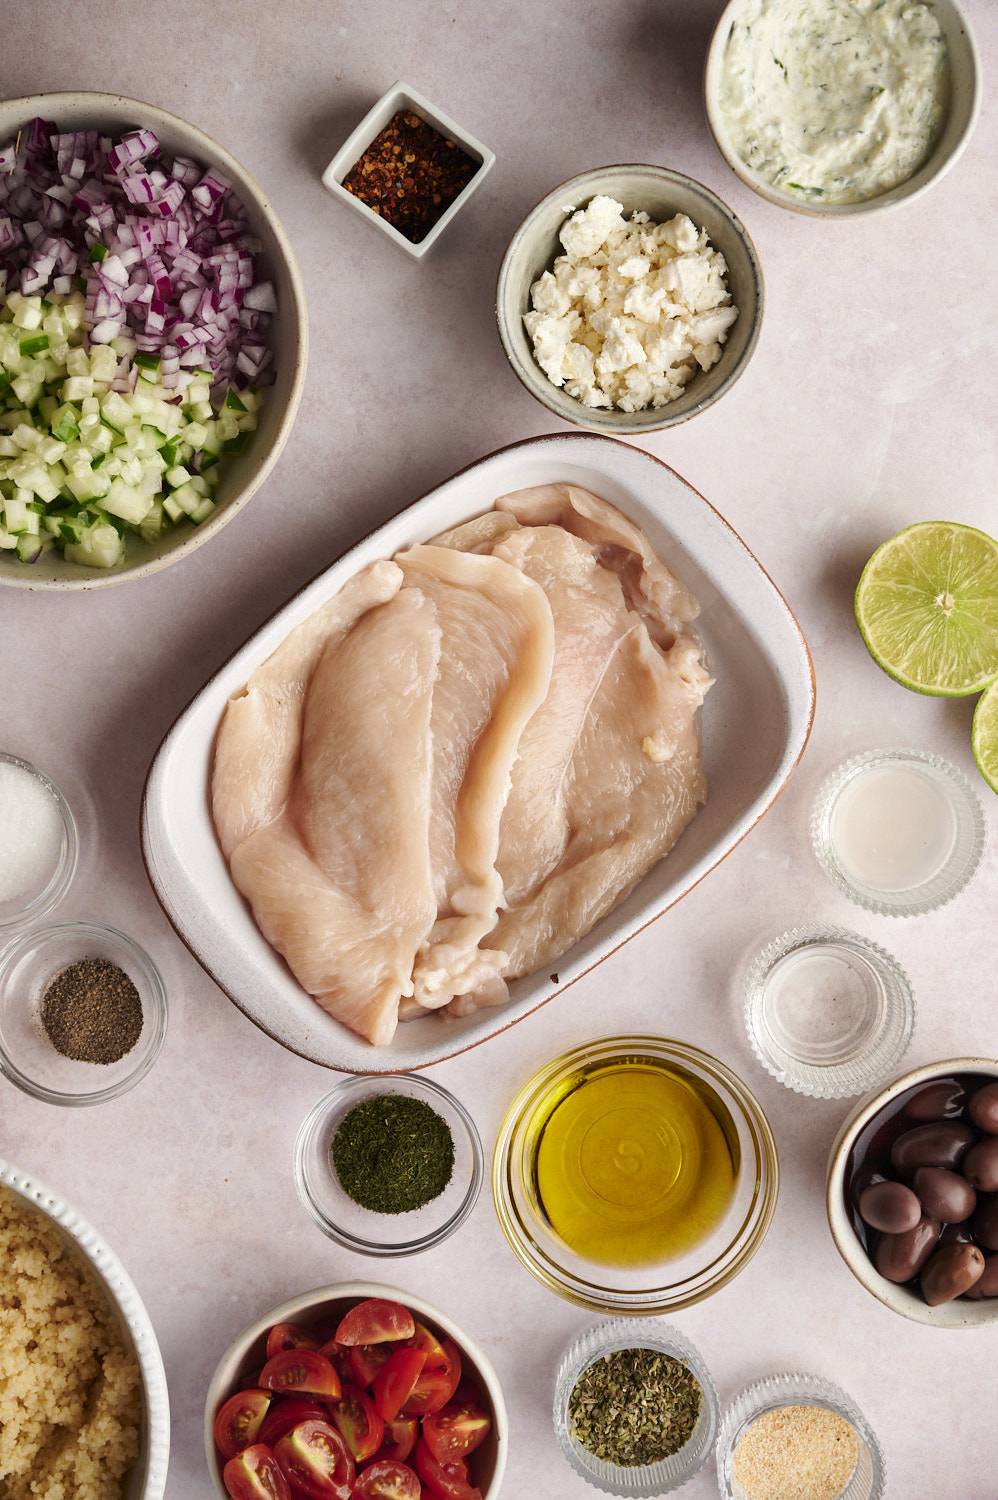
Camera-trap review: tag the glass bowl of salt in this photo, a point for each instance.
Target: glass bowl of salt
(38, 842)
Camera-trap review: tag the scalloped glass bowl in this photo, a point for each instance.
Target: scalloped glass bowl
(360, 1229)
(28, 1058)
(640, 1479)
(868, 1480)
(828, 1013)
(31, 904)
(951, 874)
(669, 1284)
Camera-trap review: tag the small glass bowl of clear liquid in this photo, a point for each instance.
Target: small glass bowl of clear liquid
(898, 831)
(828, 1013)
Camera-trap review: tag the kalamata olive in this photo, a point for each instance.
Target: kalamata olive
(956, 1234)
(980, 1165)
(938, 1145)
(984, 1224)
(899, 1257)
(944, 1195)
(937, 1101)
(889, 1206)
(983, 1108)
(988, 1284)
(952, 1271)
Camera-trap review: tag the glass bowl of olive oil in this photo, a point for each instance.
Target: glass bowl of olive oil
(635, 1174)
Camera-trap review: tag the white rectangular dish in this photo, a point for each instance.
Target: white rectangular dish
(757, 719)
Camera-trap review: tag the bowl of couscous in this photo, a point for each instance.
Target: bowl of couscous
(84, 1410)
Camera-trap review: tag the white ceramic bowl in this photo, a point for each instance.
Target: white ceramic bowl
(147, 1480)
(660, 193)
(764, 677)
(965, 104)
(327, 1305)
(957, 1314)
(244, 473)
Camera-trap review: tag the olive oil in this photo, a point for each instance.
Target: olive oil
(635, 1161)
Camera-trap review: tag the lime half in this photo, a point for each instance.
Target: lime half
(927, 607)
(984, 735)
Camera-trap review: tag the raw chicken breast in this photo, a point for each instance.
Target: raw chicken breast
(494, 672)
(341, 882)
(259, 739)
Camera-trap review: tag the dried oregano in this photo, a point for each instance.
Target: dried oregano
(634, 1406)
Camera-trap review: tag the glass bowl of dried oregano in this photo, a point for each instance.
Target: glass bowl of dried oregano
(82, 1013)
(635, 1408)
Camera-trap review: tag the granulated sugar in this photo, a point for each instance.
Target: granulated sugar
(795, 1453)
(31, 833)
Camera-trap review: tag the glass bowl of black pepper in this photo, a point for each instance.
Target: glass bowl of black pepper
(388, 1165)
(635, 1409)
(82, 1013)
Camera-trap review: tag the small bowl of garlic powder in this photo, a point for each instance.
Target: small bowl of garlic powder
(629, 299)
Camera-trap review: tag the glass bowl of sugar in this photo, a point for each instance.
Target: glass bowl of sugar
(38, 842)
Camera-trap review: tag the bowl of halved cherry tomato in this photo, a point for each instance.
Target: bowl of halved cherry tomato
(355, 1392)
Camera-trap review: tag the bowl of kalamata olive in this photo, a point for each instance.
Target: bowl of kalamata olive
(912, 1193)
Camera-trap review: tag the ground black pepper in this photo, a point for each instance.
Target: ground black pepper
(410, 174)
(92, 1012)
(393, 1153)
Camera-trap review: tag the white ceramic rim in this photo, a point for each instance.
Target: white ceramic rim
(122, 1291)
(65, 871)
(957, 1314)
(895, 197)
(400, 96)
(221, 1383)
(612, 423)
(94, 101)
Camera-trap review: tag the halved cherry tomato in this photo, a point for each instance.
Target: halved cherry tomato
(385, 1480)
(302, 1371)
(256, 1475)
(289, 1336)
(238, 1421)
(360, 1426)
(376, 1322)
(396, 1381)
(290, 1412)
(435, 1388)
(400, 1439)
(314, 1459)
(365, 1360)
(455, 1431)
(448, 1479)
(432, 1347)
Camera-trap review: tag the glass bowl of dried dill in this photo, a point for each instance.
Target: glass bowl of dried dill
(388, 1165)
(82, 1013)
(635, 1408)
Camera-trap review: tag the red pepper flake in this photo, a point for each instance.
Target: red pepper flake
(410, 174)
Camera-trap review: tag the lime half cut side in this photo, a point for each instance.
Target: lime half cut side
(984, 735)
(927, 607)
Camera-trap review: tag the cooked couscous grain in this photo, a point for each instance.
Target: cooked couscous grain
(795, 1453)
(70, 1394)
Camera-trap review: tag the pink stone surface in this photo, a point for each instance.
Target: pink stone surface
(869, 404)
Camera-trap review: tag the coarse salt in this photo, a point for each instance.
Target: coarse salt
(31, 833)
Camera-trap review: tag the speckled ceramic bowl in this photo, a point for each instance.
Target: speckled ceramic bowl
(965, 104)
(243, 473)
(661, 193)
(325, 1306)
(147, 1480)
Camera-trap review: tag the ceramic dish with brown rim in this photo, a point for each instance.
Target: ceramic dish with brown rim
(764, 678)
(905, 1298)
(242, 474)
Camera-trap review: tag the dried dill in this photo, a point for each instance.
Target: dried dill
(393, 1153)
(634, 1406)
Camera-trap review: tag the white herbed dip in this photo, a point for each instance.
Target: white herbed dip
(835, 101)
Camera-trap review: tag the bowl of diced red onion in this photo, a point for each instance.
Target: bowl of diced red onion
(153, 339)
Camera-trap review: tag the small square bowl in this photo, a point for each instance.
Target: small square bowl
(401, 96)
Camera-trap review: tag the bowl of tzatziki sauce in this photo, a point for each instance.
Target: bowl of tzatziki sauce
(839, 107)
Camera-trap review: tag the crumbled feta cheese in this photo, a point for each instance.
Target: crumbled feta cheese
(632, 310)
